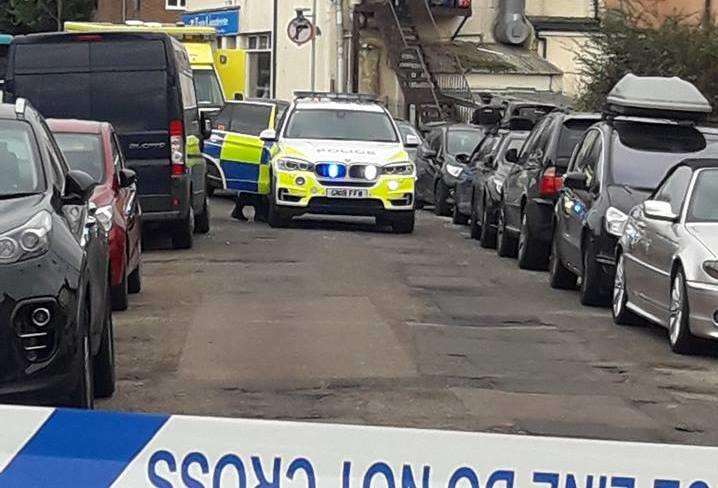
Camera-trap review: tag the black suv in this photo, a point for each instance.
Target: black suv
(525, 220)
(55, 312)
(141, 83)
(440, 163)
(615, 167)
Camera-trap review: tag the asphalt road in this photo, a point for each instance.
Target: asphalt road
(339, 322)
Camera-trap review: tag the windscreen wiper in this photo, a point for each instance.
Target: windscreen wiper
(10, 196)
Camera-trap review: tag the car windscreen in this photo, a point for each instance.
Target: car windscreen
(463, 141)
(571, 132)
(206, 85)
(407, 130)
(704, 203)
(20, 168)
(644, 152)
(83, 152)
(340, 125)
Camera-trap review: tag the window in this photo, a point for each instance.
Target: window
(674, 189)
(704, 204)
(530, 144)
(175, 4)
(514, 143)
(206, 85)
(83, 152)
(588, 157)
(571, 133)
(189, 98)
(20, 171)
(463, 141)
(434, 140)
(341, 125)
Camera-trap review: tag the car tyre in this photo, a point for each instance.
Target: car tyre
(559, 276)
(619, 304)
(104, 362)
(418, 204)
(120, 294)
(202, 221)
(134, 282)
(183, 234)
(403, 222)
(592, 293)
(681, 339)
(532, 253)
(487, 240)
(83, 394)
(506, 246)
(441, 200)
(275, 216)
(475, 225)
(457, 217)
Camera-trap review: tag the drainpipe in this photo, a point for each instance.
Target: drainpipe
(512, 26)
(274, 48)
(338, 12)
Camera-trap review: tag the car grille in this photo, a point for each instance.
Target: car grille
(346, 175)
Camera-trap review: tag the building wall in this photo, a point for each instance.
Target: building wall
(149, 11)
(694, 8)
(561, 49)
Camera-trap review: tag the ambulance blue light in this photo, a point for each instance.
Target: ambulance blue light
(333, 171)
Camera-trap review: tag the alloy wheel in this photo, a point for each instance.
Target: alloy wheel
(619, 288)
(676, 317)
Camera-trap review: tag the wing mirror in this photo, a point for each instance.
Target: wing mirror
(268, 135)
(462, 158)
(576, 181)
(206, 126)
(412, 141)
(127, 178)
(512, 156)
(78, 187)
(658, 210)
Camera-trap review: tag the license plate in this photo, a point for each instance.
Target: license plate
(347, 193)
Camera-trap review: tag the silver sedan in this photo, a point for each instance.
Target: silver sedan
(667, 258)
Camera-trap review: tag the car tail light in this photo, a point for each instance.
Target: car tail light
(177, 148)
(551, 183)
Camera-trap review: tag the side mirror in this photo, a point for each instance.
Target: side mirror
(127, 178)
(512, 156)
(206, 126)
(575, 181)
(268, 135)
(412, 141)
(658, 210)
(462, 158)
(78, 187)
(238, 96)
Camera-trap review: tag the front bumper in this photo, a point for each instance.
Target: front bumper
(28, 373)
(703, 305)
(387, 194)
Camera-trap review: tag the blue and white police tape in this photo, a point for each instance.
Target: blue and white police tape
(62, 448)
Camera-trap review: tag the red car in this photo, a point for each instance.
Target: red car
(93, 147)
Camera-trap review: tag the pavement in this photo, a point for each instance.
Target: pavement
(337, 321)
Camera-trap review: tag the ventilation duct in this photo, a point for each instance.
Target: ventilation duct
(512, 26)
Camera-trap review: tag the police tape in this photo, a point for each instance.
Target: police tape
(64, 448)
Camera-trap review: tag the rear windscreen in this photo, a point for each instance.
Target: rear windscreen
(571, 133)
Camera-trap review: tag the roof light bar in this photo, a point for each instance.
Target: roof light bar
(337, 97)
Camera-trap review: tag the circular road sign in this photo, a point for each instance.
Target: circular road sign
(300, 30)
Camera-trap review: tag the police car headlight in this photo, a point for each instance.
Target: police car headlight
(294, 164)
(405, 168)
(615, 221)
(27, 241)
(454, 170)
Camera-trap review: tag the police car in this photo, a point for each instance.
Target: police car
(339, 154)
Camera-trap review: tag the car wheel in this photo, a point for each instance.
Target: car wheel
(475, 225)
(505, 244)
(418, 204)
(120, 293)
(210, 189)
(83, 394)
(134, 282)
(488, 233)
(621, 314)
(104, 362)
(559, 276)
(183, 235)
(441, 197)
(592, 293)
(202, 221)
(679, 333)
(275, 216)
(532, 252)
(457, 217)
(403, 222)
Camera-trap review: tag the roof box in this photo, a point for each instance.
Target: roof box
(657, 97)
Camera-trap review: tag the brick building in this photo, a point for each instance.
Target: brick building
(166, 11)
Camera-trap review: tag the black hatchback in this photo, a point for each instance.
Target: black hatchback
(56, 342)
(525, 219)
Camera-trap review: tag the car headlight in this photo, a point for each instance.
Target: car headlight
(454, 170)
(405, 168)
(711, 267)
(104, 216)
(28, 241)
(294, 164)
(615, 221)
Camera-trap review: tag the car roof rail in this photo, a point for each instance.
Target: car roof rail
(336, 97)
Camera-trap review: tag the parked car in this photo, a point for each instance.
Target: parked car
(56, 337)
(142, 84)
(616, 166)
(94, 148)
(667, 257)
(440, 162)
(237, 128)
(492, 168)
(525, 217)
(524, 109)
